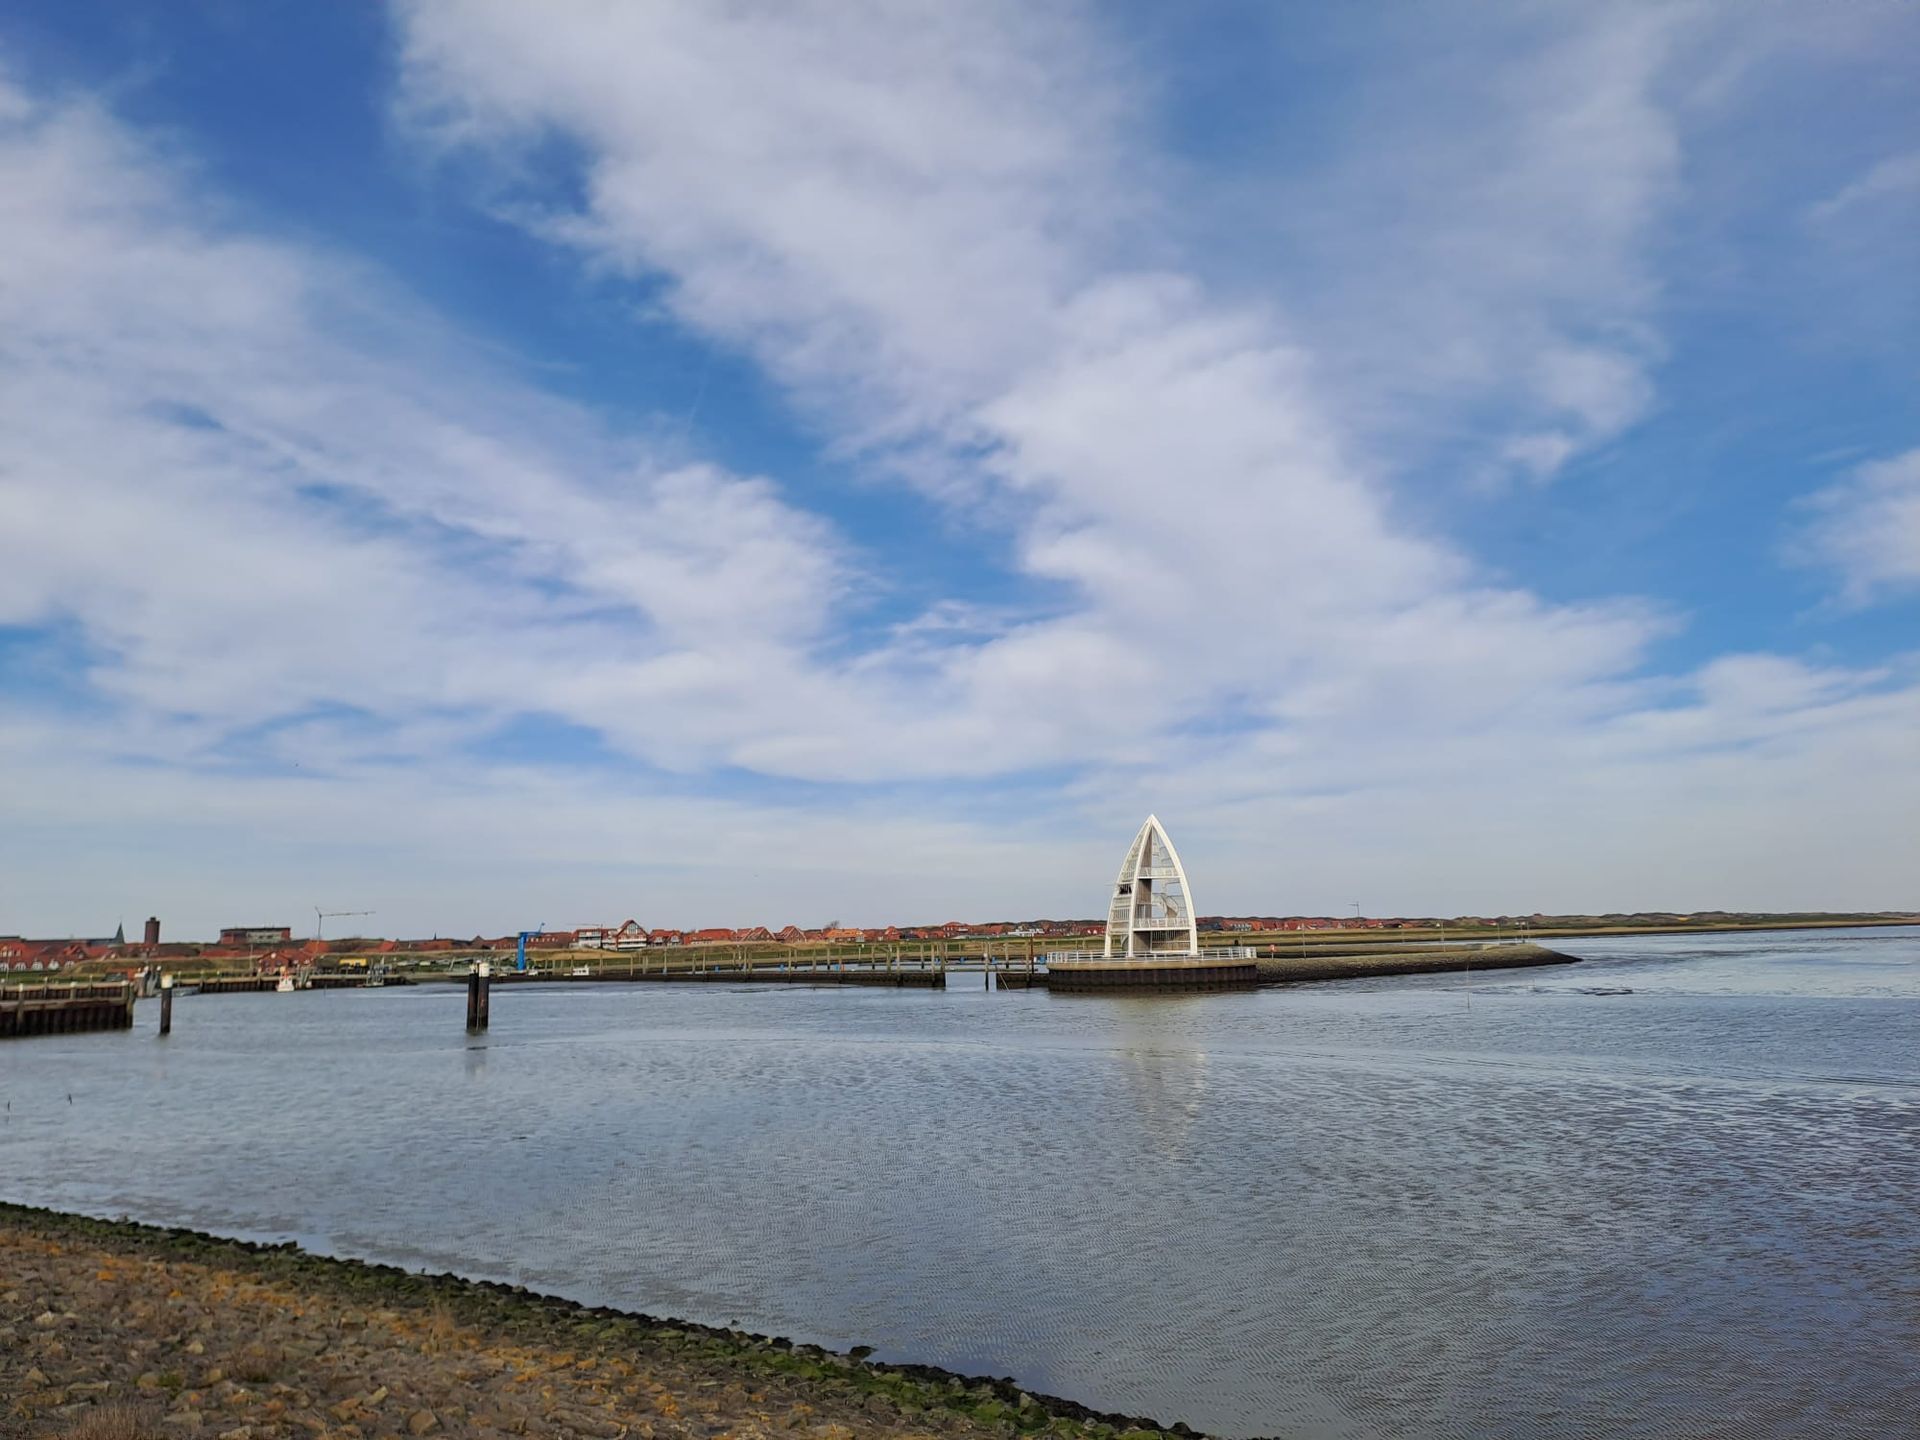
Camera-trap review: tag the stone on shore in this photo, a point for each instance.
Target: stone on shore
(124, 1332)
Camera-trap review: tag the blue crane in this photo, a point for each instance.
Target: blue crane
(520, 953)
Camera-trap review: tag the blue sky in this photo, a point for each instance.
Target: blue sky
(494, 464)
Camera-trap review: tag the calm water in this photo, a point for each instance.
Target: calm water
(1403, 1207)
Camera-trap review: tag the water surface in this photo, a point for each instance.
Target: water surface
(1507, 1203)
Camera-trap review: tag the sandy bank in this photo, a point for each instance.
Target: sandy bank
(1427, 960)
(200, 1336)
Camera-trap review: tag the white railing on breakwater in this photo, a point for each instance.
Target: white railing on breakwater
(1224, 952)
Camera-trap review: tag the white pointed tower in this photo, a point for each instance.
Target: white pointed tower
(1152, 914)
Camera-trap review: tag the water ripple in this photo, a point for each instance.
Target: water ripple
(1401, 1208)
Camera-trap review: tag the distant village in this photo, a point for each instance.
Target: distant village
(274, 946)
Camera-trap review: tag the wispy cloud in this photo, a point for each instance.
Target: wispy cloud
(1190, 467)
(1469, 243)
(322, 549)
(1866, 530)
(261, 481)
(800, 186)
(1894, 179)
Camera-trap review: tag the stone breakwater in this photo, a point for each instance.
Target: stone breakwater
(112, 1329)
(1282, 968)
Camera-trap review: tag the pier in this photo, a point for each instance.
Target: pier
(65, 1009)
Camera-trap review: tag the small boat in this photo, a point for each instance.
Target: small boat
(285, 987)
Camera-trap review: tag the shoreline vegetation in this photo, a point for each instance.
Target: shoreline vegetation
(116, 1330)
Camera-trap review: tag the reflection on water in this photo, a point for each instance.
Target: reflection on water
(1164, 1064)
(1456, 1205)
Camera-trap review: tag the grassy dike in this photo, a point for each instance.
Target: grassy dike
(111, 1330)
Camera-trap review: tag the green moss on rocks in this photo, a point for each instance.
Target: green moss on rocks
(380, 1306)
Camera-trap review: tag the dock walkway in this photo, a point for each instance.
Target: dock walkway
(904, 978)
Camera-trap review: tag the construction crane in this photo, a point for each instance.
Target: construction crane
(320, 917)
(520, 953)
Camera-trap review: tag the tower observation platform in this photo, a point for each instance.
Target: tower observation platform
(1150, 915)
(1153, 936)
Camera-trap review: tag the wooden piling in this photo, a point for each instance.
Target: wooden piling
(64, 1009)
(485, 979)
(473, 997)
(166, 1004)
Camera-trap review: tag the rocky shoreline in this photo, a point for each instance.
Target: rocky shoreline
(111, 1330)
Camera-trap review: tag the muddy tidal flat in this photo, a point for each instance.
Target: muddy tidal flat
(174, 1333)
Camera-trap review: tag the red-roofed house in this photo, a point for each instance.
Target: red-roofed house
(20, 954)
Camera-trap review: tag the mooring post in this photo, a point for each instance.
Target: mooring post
(166, 1004)
(486, 985)
(473, 996)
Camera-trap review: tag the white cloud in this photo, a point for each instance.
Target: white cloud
(1183, 465)
(1471, 234)
(895, 223)
(1541, 453)
(1894, 179)
(296, 518)
(259, 481)
(439, 846)
(1867, 529)
(857, 190)
(901, 237)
